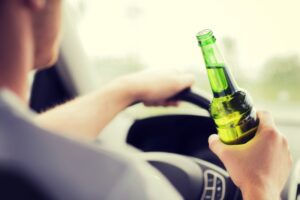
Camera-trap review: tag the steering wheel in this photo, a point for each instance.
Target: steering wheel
(177, 146)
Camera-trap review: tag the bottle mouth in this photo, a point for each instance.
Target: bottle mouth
(205, 37)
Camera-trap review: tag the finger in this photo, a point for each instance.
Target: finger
(151, 104)
(216, 145)
(165, 104)
(174, 103)
(171, 103)
(265, 121)
(265, 118)
(186, 80)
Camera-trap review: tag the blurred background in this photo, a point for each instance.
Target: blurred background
(259, 38)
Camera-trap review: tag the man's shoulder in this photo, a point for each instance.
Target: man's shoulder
(69, 169)
(60, 164)
(10, 102)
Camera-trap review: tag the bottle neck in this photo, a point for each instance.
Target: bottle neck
(221, 81)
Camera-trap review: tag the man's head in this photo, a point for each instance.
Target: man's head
(46, 30)
(46, 27)
(36, 24)
(29, 37)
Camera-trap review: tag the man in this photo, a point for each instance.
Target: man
(29, 38)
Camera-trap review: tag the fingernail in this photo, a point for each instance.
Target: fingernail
(212, 138)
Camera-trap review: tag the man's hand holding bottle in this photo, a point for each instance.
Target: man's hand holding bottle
(260, 167)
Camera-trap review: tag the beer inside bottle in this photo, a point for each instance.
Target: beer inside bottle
(231, 107)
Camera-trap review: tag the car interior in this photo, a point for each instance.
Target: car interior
(174, 142)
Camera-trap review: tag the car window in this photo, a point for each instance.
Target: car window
(260, 40)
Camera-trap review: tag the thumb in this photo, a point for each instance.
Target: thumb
(216, 145)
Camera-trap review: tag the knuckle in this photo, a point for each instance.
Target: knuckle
(284, 141)
(265, 113)
(264, 125)
(290, 160)
(270, 132)
(177, 85)
(174, 85)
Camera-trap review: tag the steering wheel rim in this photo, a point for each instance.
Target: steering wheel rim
(189, 96)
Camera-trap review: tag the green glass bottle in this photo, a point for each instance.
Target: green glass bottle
(231, 107)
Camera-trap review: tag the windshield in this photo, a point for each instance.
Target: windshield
(259, 39)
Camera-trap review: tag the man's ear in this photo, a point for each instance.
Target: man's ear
(35, 5)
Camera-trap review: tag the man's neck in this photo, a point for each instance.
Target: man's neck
(15, 82)
(16, 49)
